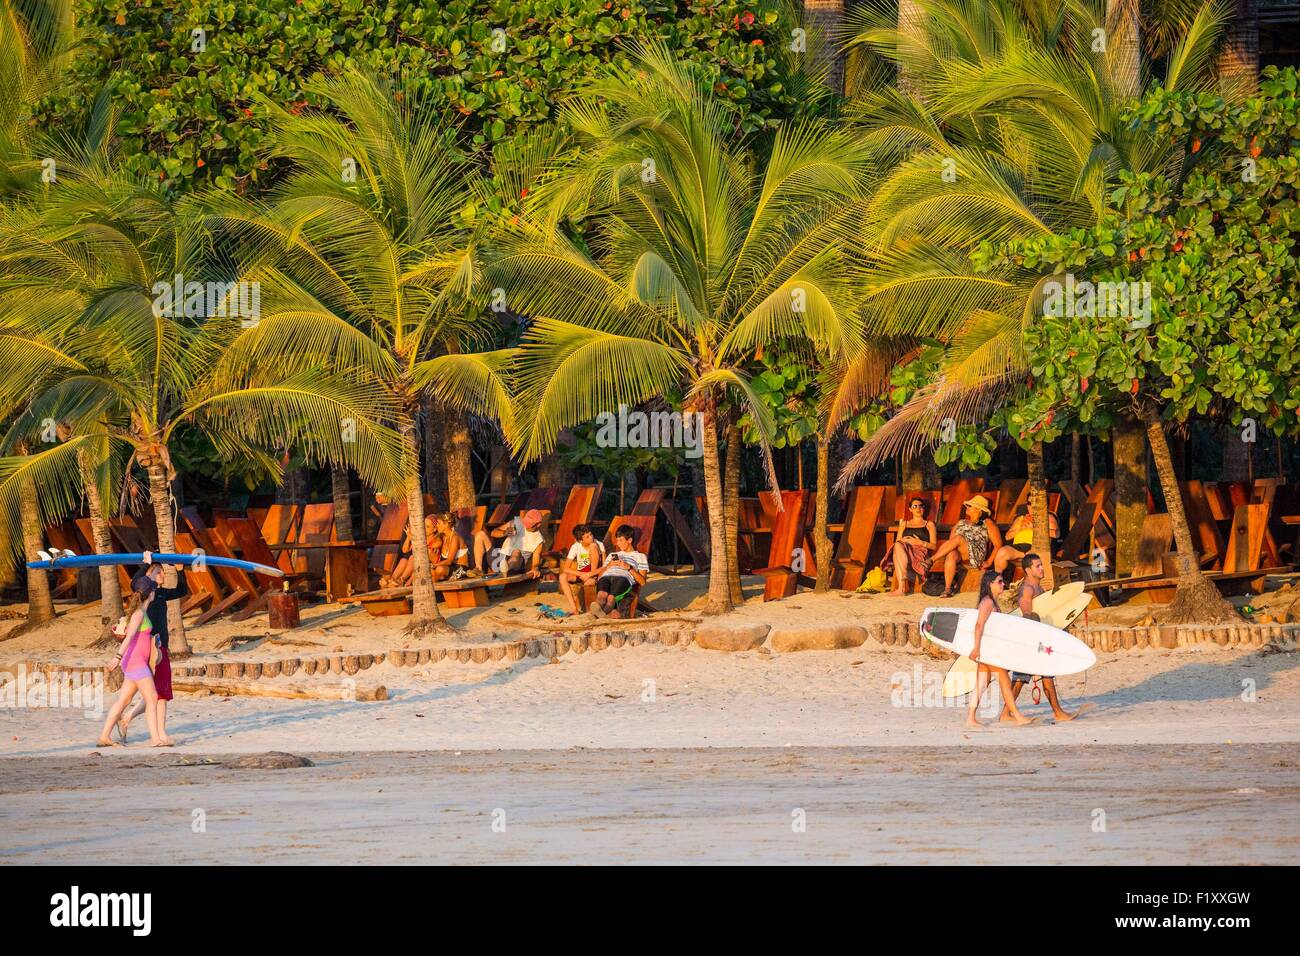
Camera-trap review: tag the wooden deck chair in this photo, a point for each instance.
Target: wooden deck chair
(88, 533)
(205, 586)
(1074, 494)
(781, 576)
(1012, 492)
(506, 510)
(280, 526)
(644, 524)
(953, 495)
(316, 526)
(392, 527)
(252, 547)
(861, 517)
(65, 537)
(580, 508)
(1205, 531)
(1077, 541)
(239, 584)
(1247, 549)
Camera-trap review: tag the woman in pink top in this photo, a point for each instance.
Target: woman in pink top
(137, 645)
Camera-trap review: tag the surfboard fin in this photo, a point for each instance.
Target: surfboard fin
(44, 555)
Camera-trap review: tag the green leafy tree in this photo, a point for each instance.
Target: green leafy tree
(698, 250)
(1208, 260)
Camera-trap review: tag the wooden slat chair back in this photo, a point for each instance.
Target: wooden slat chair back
(579, 509)
(1012, 492)
(239, 584)
(280, 526)
(315, 527)
(781, 577)
(861, 516)
(953, 495)
(1205, 530)
(253, 547)
(1246, 548)
(392, 526)
(205, 586)
(1076, 544)
(644, 524)
(88, 532)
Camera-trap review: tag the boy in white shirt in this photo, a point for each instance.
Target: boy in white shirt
(522, 546)
(622, 576)
(581, 564)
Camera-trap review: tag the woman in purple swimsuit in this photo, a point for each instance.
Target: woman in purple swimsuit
(137, 646)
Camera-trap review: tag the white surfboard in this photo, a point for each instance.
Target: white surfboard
(1057, 608)
(1009, 641)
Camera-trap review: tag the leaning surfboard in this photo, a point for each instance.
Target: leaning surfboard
(1058, 608)
(137, 557)
(1010, 642)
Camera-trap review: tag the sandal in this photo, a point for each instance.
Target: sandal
(948, 593)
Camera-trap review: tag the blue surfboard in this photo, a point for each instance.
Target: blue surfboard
(64, 560)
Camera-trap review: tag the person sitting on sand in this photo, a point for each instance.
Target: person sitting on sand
(581, 564)
(447, 550)
(622, 576)
(1030, 588)
(991, 587)
(522, 546)
(909, 558)
(162, 670)
(1020, 537)
(974, 540)
(137, 675)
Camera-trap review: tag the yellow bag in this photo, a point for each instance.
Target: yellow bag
(876, 581)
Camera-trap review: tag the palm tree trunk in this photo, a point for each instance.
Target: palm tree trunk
(161, 498)
(824, 17)
(1236, 455)
(435, 460)
(341, 492)
(1196, 598)
(425, 616)
(1076, 462)
(456, 447)
(40, 601)
(1124, 29)
(731, 510)
(110, 586)
(1238, 64)
(1129, 446)
(821, 540)
(698, 524)
(1038, 508)
(911, 17)
(719, 599)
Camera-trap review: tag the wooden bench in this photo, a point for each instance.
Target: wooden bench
(854, 545)
(781, 577)
(464, 592)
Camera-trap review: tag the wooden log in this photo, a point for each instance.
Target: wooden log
(301, 692)
(252, 670)
(365, 661)
(532, 648)
(559, 646)
(617, 640)
(437, 655)
(598, 642)
(234, 670)
(336, 665)
(578, 643)
(271, 669)
(463, 655)
(351, 665)
(515, 650)
(479, 655)
(497, 652)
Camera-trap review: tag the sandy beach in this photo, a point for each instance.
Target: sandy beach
(657, 753)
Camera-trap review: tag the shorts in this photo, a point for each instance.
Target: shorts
(1022, 548)
(162, 675)
(514, 563)
(616, 585)
(1017, 677)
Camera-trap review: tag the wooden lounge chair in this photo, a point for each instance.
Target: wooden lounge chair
(954, 495)
(464, 592)
(579, 509)
(781, 576)
(238, 584)
(280, 525)
(861, 518)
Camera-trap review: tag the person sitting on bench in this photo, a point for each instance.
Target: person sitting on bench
(581, 564)
(447, 551)
(622, 576)
(522, 547)
(974, 540)
(1020, 537)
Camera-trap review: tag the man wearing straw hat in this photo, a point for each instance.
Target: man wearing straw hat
(974, 541)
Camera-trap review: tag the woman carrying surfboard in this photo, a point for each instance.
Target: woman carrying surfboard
(137, 663)
(991, 586)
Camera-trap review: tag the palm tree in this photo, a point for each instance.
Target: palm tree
(1013, 127)
(133, 368)
(368, 258)
(662, 251)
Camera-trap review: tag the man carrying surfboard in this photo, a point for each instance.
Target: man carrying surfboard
(991, 586)
(1030, 588)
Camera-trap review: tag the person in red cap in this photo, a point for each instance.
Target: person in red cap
(521, 547)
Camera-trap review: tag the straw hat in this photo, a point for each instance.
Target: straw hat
(980, 502)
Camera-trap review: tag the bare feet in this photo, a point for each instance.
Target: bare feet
(972, 722)
(1063, 715)
(165, 742)
(1020, 720)
(101, 742)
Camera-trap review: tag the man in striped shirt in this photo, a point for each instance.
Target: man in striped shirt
(621, 576)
